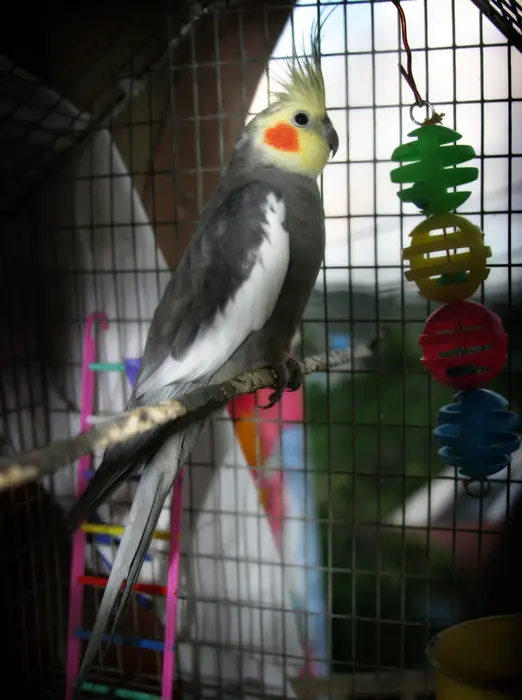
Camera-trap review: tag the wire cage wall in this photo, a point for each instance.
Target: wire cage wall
(102, 182)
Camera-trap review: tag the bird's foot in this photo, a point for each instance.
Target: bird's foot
(288, 376)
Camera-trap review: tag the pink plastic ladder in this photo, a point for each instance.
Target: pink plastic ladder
(77, 577)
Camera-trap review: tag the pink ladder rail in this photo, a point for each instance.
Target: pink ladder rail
(79, 540)
(80, 537)
(171, 612)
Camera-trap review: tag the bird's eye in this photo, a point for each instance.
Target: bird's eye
(301, 118)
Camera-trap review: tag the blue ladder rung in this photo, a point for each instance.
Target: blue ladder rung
(89, 473)
(123, 640)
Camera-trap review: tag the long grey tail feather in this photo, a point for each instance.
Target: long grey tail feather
(148, 503)
(119, 462)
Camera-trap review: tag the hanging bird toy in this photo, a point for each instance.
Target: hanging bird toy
(464, 344)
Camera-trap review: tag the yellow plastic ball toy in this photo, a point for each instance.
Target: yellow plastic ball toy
(447, 266)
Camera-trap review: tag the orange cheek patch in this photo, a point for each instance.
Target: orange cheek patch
(283, 137)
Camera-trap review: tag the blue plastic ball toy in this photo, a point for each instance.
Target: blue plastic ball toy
(477, 434)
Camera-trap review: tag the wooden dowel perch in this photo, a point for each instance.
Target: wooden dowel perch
(34, 464)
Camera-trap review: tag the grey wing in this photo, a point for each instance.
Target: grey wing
(225, 288)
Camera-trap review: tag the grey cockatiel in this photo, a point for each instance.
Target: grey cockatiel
(233, 303)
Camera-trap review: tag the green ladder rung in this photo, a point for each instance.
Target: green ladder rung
(118, 692)
(107, 366)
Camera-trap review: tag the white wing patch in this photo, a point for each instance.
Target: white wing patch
(246, 312)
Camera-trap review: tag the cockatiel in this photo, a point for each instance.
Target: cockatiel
(233, 303)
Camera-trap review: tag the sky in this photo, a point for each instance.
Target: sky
(371, 90)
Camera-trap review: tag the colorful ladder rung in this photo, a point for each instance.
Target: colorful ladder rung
(118, 530)
(106, 366)
(100, 531)
(123, 640)
(94, 420)
(101, 582)
(131, 367)
(118, 692)
(89, 473)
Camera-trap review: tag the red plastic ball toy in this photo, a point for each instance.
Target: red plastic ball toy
(464, 345)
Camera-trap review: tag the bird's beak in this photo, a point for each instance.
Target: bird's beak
(330, 136)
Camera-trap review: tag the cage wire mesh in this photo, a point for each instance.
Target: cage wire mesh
(401, 551)
(506, 15)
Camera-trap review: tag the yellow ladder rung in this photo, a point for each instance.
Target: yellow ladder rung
(118, 530)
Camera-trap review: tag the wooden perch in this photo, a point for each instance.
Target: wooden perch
(34, 464)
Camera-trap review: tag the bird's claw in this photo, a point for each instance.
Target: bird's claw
(288, 376)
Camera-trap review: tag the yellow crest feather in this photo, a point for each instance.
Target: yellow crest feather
(304, 83)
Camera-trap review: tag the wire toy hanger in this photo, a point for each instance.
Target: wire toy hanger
(407, 73)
